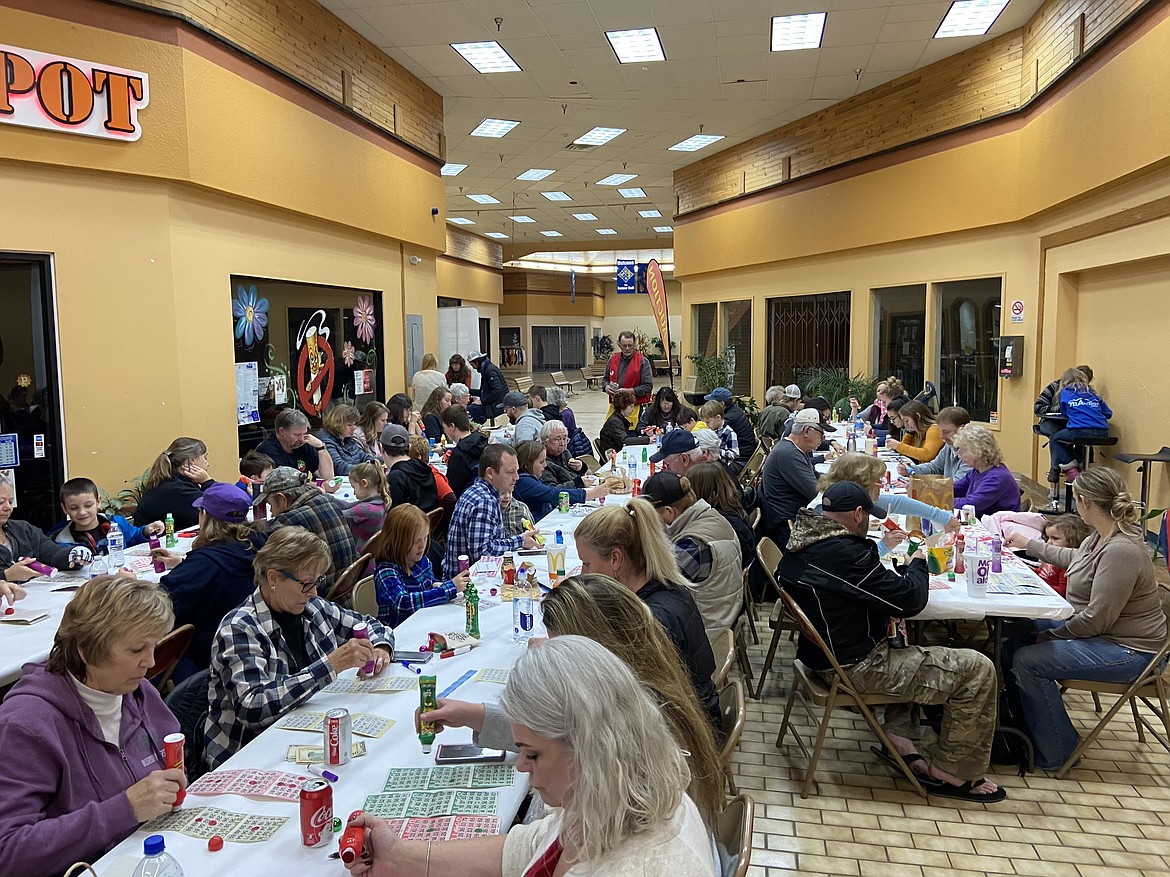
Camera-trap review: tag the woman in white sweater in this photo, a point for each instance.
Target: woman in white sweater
(577, 711)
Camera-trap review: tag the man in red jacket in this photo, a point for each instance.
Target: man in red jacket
(628, 369)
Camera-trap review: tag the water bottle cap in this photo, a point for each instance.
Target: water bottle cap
(154, 845)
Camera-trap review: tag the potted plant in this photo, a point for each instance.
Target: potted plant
(710, 372)
(836, 386)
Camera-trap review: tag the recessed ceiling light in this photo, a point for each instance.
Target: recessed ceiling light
(616, 179)
(484, 199)
(693, 144)
(632, 46)
(493, 128)
(556, 196)
(606, 231)
(663, 228)
(632, 193)
(552, 234)
(452, 170)
(585, 217)
(970, 18)
(599, 136)
(649, 214)
(488, 57)
(535, 173)
(797, 31)
(522, 218)
(460, 220)
(498, 235)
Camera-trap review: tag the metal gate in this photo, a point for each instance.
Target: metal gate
(807, 332)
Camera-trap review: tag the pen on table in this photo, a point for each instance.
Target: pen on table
(451, 653)
(411, 667)
(324, 774)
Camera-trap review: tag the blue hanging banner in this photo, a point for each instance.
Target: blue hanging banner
(627, 277)
(572, 286)
(641, 287)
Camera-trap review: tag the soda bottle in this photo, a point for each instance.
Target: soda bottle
(960, 549)
(170, 524)
(522, 610)
(116, 547)
(471, 595)
(157, 862)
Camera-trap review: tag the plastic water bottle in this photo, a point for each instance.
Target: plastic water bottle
(157, 862)
(522, 609)
(116, 547)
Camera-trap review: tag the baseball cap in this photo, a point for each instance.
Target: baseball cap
(514, 399)
(224, 501)
(807, 417)
(719, 394)
(677, 441)
(845, 496)
(279, 480)
(662, 488)
(395, 437)
(474, 355)
(792, 392)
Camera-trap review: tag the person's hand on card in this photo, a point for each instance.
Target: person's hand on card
(1017, 540)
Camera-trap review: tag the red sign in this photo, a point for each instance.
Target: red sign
(656, 288)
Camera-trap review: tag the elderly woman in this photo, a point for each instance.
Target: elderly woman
(537, 495)
(21, 543)
(989, 486)
(921, 439)
(283, 644)
(427, 379)
(296, 503)
(597, 748)
(369, 428)
(562, 470)
(460, 395)
(1117, 623)
(338, 437)
(558, 399)
(83, 733)
(437, 402)
(177, 478)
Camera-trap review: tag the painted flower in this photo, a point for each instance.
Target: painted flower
(363, 318)
(251, 315)
(347, 353)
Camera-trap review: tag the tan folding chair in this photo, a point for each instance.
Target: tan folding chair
(364, 599)
(751, 471)
(167, 654)
(732, 715)
(435, 518)
(769, 555)
(734, 836)
(840, 692)
(741, 652)
(1150, 684)
(343, 586)
(724, 649)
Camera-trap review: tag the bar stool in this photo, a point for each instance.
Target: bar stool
(1162, 456)
(1083, 452)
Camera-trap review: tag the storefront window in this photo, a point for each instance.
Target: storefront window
(706, 336)
(900, 326)
(737, 332)
(968, 335)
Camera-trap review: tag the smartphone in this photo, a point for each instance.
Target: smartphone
(413, 657)
(467, 753)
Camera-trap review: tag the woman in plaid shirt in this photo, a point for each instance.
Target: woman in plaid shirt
(283, 644)
(404, 580)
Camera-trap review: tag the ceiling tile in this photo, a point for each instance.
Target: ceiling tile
(854, 28)
(568, 19)
(622, 14)
(688, 41)
(842, 61)
(894, 56)
(907, 30)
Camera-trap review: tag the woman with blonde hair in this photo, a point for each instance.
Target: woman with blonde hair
(627, 543)
(368, 432)
(339, 425)
(598, 749)
(427, 379)
(83, 733)
(1087, 417)
(989, 486)
(921, 439)
(177, 478)
(1117, 623)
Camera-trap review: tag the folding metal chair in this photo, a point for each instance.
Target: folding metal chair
(732, 716)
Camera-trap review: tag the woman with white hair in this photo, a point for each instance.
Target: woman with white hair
(989, 486)
(460, 394)
(597, 748)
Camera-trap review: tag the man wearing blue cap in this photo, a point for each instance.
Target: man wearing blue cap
(679, 452)
(734, 417)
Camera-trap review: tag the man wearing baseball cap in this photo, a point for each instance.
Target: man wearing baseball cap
(789, 482)
(734, 417)
(832, 570)
(489, 404)
(679, 452)
(780, 407)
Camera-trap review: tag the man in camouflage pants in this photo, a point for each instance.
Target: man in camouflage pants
(832, 570)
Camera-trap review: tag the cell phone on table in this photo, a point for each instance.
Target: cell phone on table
(413, 657)
(467, 753)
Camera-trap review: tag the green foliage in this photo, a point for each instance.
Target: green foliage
(656, 344)
(750, 407)
(126, 499)
(605, 346)
(837, 386)
(711, 371)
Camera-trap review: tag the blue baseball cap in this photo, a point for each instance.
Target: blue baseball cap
(719, 394)
(677, 441)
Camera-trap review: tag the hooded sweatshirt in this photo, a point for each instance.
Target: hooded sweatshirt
(67, 800)
(463, 464)
(412, 481)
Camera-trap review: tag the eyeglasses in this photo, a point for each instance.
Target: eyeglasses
(307, 587)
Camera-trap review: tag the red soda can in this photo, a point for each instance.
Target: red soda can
(316, 813)
(636, 489)
(338, 737)
(173, 746)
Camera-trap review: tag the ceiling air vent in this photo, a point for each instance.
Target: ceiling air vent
(579, 147)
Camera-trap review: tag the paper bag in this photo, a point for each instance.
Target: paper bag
(935, 490)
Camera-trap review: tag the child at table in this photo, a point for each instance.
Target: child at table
(86, 526)
(1064, 531)
(515, 513)
(404, 580)
(712, 414)
(688, 419)
(254, 468)
(372, 491)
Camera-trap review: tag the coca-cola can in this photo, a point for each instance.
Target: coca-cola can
(338, 737)
(316, 813)
(636, 487)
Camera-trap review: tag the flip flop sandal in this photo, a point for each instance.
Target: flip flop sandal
(964, 792)
(910, 760)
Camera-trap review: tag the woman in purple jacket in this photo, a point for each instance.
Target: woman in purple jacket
(989, 486)
(84, 732)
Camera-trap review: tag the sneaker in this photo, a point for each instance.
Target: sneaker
(1053, 475)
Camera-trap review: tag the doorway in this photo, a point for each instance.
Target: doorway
(31, 448)
(807, 333)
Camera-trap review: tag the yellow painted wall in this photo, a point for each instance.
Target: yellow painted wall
(633, 312)
(473, 284)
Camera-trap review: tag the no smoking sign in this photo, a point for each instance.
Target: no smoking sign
(1017, 311)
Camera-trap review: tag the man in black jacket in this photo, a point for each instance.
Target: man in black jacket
(489, 404)
(734, 417)
(831, 569)
(411, 481)
(463, 462)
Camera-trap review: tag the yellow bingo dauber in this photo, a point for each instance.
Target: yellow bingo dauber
(535, 533)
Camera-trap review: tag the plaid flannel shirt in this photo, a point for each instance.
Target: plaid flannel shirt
(728, 444)
(477, 527)
(319, 513)
(514, 517)
(694, 559)
(252, 683)
(400, 593)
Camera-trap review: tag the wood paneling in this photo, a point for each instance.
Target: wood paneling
(470, 247)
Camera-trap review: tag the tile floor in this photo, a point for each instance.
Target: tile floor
(1111, 816)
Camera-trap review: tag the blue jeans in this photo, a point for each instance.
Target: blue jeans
(1038, 666)
(1062, 453)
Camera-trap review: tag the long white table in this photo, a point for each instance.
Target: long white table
(398, 747)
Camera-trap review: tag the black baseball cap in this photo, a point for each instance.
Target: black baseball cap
(663, 489)
(845, 496)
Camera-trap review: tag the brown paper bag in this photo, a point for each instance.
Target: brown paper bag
(935, 490)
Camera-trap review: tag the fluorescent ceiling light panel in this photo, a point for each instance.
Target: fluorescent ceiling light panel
(522, 218)
(535, 173)
(556, 196)
(663, 228)
(488, 57)
(616, 179)
(452, 170)
(693, 144)
(599, 136)
(797, 31)
(970, 18)
(649, 214)
(606, 231)
(632, 193)
(585, 217)
(634, 46)
(498, 235)
(493, 128)
(552, 234)
(460, 220)
(484, 199)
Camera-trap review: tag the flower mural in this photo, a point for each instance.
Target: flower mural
(347, 353)
(363, 318)
(250, 313)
